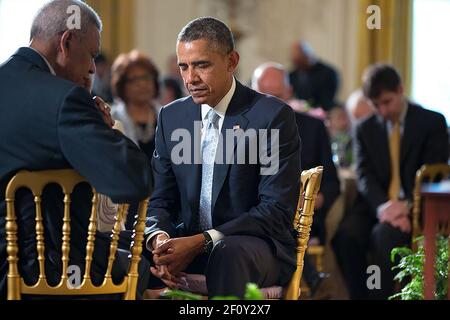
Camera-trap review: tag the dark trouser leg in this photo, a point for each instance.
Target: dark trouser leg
(237, 260)
(384, 238)
(350, 245)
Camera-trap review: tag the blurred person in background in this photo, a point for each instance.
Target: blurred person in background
(390, 146)
(102, 79)
(358, 106)
(134, 80)
(339, 127)
(271, 78)
(312, 80)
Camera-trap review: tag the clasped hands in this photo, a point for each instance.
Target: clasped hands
(172, 255)
(397, 214)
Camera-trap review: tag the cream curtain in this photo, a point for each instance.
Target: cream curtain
(118, 29)
(392, 43)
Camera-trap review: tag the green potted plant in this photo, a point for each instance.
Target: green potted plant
(411, 270)
(252, 292)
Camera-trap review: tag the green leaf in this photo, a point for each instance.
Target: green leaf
(402, 251)
(182, 295)
(411, 267)
(252, 292)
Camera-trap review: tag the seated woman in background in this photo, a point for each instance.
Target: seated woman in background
(134, 82)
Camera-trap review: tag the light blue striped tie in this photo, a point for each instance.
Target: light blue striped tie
(209, 146)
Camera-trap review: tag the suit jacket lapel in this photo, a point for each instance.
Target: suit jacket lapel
(381, 147)
(234, 119)
(193, 174)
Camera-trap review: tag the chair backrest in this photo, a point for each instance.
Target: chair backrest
(427, 173)
(310, 185)
(67, 179)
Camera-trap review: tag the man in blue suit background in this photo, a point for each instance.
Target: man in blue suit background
(229, 218)
(48, 120)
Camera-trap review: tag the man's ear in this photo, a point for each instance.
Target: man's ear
(400, 89)
(233, 61)
(65, 43)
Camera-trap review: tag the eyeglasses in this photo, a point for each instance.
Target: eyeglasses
(144, 78)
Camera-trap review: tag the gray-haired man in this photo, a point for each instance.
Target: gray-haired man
(48, 120)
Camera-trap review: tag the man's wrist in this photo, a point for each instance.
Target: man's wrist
(198, 242)
(216, 236)
(151, 240)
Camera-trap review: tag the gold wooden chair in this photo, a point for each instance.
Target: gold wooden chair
(310, 184)
(302, 224)
(67, 179)
(317, 254)
(317, 251)
(427, 173)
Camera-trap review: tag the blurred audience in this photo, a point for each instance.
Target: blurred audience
(271, 78)
(339, 127)
(390, 146)
(135, 85)
(358, 107)
(312, 80)
(170, 91)
(102, 79)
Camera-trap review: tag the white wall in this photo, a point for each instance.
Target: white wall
(269, 27)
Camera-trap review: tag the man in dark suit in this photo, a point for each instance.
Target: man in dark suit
(271, 78)
(48, 120)
(236, 208)
(390, 146)
(313, 80)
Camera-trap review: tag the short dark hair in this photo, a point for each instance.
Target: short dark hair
(378, 78)
(211, 29)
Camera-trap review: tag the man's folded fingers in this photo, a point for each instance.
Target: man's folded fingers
(165, 259)
(161, 272)
(170, 284)
(155, 272)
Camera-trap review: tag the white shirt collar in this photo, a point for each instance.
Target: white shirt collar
(222, 106)
(52, 71)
